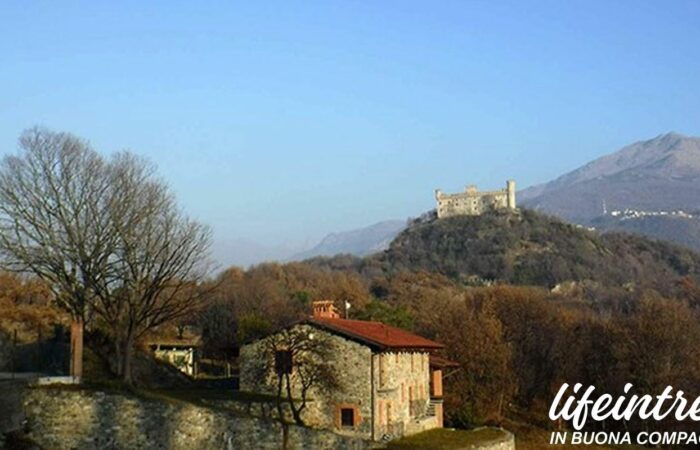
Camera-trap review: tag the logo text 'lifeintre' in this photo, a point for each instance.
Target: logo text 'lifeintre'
(580, 405)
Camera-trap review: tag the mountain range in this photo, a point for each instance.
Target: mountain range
(659, 174)
(650, 187)
(359, 242)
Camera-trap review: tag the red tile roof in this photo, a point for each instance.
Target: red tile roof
(376, 334)
(441, 363)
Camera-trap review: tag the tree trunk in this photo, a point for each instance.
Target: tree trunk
(290, 399)
(118, 356)
(127, 357)
(76, 349)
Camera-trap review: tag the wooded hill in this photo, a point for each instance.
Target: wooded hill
(530, 248)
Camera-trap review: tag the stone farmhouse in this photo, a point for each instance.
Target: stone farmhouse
(390, 380)
(471, 202)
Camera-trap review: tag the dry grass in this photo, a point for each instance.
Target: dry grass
(530, 437)
(446, 439)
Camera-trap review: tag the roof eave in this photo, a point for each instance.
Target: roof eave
(370, 342)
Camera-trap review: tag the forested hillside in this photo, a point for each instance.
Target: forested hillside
(522, 301)
(529, 248)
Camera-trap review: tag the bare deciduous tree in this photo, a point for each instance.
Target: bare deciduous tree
(53, 217)
(158, 261)
(107, 235)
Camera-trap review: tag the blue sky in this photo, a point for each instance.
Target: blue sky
(278, 122)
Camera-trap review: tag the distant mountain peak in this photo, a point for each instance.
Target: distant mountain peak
(661, 173)
(671, 135)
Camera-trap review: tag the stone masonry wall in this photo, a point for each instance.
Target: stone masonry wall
(402, 392)
(397, 383)
(11, 413)
(352, 368)
(472, 202)
(71, 419)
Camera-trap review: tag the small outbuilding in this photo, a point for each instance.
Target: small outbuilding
(181, 350)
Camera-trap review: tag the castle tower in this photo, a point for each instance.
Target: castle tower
(510, 190)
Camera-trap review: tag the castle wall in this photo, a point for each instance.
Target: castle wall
(471, 202)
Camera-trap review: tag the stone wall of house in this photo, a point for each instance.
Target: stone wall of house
(73, 418)
(402, 393)
(352, 366)
(397, 383)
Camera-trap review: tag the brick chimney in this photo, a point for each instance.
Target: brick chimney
(324, 309)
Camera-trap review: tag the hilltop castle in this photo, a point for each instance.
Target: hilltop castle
(471, 202)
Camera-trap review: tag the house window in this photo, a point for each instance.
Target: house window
(347, 417)
(283, 362)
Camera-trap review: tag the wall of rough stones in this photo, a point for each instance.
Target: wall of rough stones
(69, 418)
(352, 367)
(62, 418)
(402, 393)
(11, 413)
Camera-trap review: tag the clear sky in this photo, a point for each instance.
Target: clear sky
(278, 122)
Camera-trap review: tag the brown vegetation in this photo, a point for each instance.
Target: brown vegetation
(516, 344)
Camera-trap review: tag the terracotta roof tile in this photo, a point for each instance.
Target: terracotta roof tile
(376, 334)
(441, 363)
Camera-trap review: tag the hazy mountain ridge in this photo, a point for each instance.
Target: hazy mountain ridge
(657, 174)
(358, 242)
